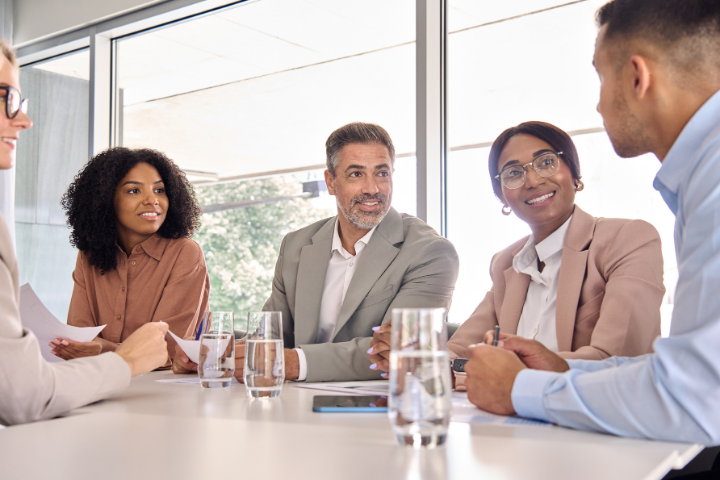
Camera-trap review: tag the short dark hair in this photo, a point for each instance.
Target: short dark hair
(554, 136)
(682, 29)
(89, 202)
(356, 132)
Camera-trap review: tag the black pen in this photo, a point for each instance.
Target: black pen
(496, 336)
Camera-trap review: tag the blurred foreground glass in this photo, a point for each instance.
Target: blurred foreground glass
(420, 388)
(264, 355)
(219, 322)
(216, 364)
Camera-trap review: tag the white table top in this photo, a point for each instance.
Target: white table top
(172, 431)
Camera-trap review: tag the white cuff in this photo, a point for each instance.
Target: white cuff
(302, 375)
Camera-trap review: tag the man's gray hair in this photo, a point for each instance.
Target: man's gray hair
(356, 132)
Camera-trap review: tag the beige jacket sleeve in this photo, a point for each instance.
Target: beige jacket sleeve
(30, 388)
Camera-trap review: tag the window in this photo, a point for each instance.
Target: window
(244, 99)
(48, 157)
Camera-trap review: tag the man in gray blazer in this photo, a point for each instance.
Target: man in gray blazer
(338, 278)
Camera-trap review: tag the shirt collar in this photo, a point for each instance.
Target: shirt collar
(683, 155)
(154, 246)
(337, 243)
(553, 243)
(547, 248)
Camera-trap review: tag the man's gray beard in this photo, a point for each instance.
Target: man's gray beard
(364, 220)
(630, 140)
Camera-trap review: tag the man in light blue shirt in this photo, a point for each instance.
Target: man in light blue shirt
(660, 93)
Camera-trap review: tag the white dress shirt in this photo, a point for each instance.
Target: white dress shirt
(671, 394)
(537, 320)
(340, 272)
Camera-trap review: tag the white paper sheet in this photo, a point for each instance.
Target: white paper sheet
(466, 412)
(350, 388)
(38, 319)
(194, 380)
(191, 347)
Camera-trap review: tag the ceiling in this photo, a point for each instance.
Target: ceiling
(259, 87)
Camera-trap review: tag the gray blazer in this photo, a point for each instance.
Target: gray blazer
(406, 264)
(30, 388)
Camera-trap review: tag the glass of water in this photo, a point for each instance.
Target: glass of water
(264, 372)
(216, 364)
(420, 400)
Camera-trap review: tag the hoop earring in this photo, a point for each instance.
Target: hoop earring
(506, 212)
(580, 186)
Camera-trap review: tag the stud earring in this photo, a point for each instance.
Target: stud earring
(506, 212)
(580, 186)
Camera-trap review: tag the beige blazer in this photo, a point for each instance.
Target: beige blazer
(609, 291)
(30, 388)
(406, 264)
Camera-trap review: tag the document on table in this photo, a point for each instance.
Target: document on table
(191, 347)
(194, 380)
(353, 388)
(38, 319)
(466, 412)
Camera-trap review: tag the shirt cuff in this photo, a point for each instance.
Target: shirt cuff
(528, 393)
(302, 375)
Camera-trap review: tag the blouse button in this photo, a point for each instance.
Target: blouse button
(118, 317)
(123, 289)
(133, 262)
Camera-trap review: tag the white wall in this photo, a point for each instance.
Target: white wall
(36, 19)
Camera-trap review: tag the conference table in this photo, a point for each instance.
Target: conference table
(160, 431)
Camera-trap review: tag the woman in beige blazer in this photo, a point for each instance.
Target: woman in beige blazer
(608, 272)
(30, 388)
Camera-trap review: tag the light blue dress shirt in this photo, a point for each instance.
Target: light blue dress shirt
(674, 393)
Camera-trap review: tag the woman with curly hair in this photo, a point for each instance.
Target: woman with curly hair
(132, 214)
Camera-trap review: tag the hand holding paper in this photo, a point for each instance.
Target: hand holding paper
(190, 347)
(38, 319)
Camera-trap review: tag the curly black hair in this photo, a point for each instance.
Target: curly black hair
(89, 202)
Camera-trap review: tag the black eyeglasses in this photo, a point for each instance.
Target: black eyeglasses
(13, 102)
(545, 165)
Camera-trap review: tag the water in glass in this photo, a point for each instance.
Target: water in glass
(216, 364)
(420, 397)
(264, 368)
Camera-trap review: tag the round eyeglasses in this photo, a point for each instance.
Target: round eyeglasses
(13, 102)
(545, 164)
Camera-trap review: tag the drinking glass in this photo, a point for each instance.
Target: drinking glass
(264, 372)
(216, 364)
(420, 400)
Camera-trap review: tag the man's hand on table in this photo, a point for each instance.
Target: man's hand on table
(491, 373)
(533, 354)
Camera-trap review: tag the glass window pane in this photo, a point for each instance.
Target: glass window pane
(244, 100)
(49, 155)
(515, 61)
